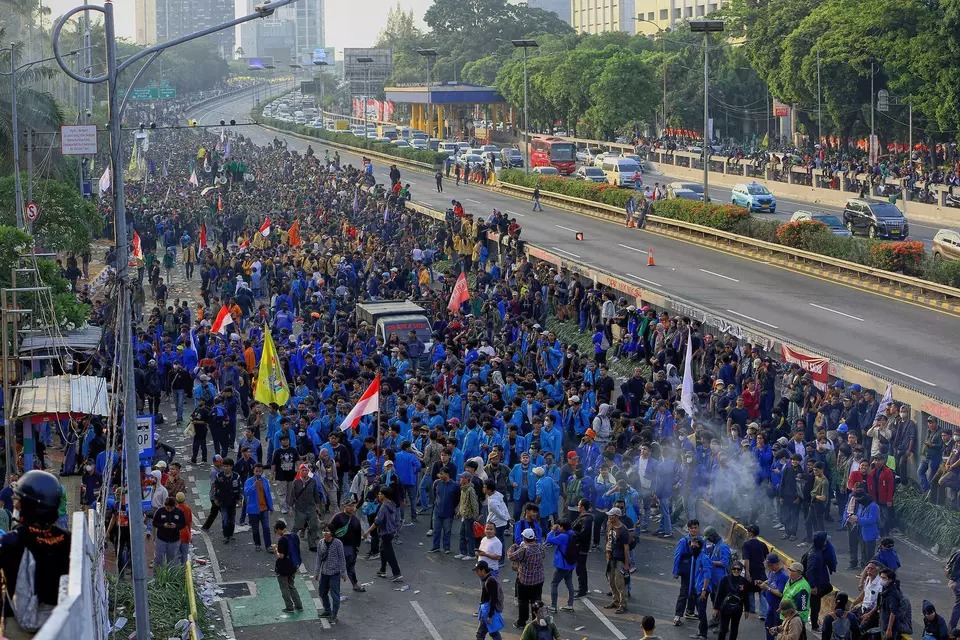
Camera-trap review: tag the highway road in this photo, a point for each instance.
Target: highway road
(892, 338)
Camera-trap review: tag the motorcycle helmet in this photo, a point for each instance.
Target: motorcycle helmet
(39, 495)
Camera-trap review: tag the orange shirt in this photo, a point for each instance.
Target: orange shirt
(250, 357)
(185, 533)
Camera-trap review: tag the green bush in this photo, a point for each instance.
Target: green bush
(928, 522)
(349, 140)
(716, 216)
(941, 271)
(856, 250)
(756, 228)
(603, 193)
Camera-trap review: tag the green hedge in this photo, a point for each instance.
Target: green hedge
(717, 216)
(603, 193)
(349, 140)
(931, 523)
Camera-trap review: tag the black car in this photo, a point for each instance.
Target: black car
(875, 219)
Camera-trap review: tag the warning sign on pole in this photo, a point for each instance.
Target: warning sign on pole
(33, 211)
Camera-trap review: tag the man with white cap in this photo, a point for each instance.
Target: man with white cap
(528, 558)
(617, 552)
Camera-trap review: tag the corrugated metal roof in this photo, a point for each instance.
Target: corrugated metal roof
(61, 394)
(87, 339)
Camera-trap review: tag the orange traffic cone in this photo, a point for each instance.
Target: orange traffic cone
(650, 262)
(580, 236)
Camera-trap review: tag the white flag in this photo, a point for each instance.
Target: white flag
(105, 181)
(686, 392)
(886, 401)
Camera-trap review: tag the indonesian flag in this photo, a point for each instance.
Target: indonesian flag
(203, 237)
(223, 322)
(369, 403)
(137, 249)
(460, 293)
(265, 228)
(243, 246)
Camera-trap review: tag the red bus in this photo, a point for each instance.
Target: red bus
(554, 152)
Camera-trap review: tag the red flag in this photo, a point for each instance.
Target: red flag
(265, 228)
(203, 237)
(219, 203)
(243, 246)
(369, 403)
(223, 322)
(137, 248)
(460, 293)
(294, 232)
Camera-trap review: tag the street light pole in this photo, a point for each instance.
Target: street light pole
(122, 241)
(819, 102)
(870, 153)
(706, 27)
(366, 61)
(663, 54)
(525, 44)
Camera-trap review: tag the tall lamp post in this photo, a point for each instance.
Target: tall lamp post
(706, 27)
(663, 54)
(366, 61)
(525, 44)
(320, 65)
(122, 240)
(431, 56)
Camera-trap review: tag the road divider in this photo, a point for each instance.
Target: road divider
(896, 285)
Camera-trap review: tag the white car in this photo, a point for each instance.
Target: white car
(833, 222)
(418, 143)
(546, 171)
(599, 158)
(590, 174)
(403, 144)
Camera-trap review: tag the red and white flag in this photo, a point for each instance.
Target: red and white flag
(137, 248)
(243, 246)
(369, 403)
(460, 293)
(203, 237)
(223, 322)
(265, 228)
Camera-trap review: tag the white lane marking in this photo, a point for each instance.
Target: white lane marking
(426, 621)
(720, 275)
(560, 226)
(883, 366)
(514, 213)
(630, 275)
(566, 252)
(631, 248)
(766, 324)
(839, 313)
(604, 619)
(473, 201)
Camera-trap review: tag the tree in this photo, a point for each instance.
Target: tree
(400, 30)
(67, 222)
(621, 95)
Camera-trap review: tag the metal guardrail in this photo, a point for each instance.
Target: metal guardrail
(608, 211)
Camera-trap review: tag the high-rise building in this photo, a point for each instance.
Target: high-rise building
(559, 7)
(366, 78)
(600, 16)
(291, 34)
(145, 12)
(176, 18)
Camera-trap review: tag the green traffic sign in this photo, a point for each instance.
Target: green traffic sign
(153, 92)
(168, 92)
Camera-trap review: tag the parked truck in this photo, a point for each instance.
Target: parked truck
(401, 318)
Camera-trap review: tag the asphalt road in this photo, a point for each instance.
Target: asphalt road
(898, 340)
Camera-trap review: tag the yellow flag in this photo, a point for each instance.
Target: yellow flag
(271, 383)
(766, 140)
(133, 157)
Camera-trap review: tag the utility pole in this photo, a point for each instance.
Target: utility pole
(819, 101)
(706, 27)
(29, 175)
(122, 241)
(525, 44)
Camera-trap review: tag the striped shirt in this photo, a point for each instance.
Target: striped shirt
(330, 559)
(529, 558)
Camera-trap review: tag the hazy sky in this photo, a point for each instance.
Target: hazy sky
(349, 24)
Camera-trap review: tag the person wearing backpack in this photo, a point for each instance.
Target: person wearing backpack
(842, 624)
(730, 601)
(565, 556)
(288, 562)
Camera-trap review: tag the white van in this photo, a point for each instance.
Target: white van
(619, 171)
(449, 148)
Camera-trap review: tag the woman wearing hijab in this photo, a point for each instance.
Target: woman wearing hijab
(730, 600)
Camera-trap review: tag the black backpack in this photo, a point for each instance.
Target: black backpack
(572, 553)
(841, 628)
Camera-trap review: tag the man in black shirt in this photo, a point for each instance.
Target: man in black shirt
(227, 492)
(284, 465)
(346, 527)
(583, 527)
(754, 556)
(201, 419)
(168, 522)
(491, 594)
